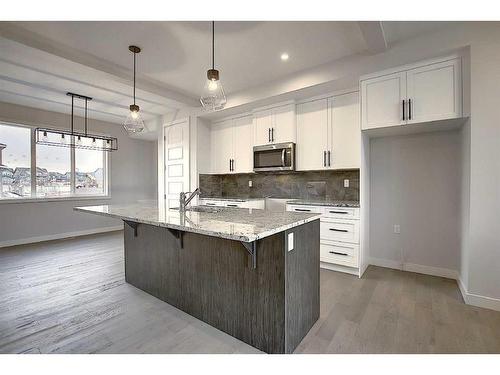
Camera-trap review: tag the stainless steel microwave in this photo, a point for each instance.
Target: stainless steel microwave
(275, 157)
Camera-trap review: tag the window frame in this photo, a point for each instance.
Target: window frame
(72, 196)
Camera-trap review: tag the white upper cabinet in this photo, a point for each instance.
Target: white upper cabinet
(243, 145)
(434, 92)
(312, 135)
(382, 101)
(426, 92)
(232, 145)
(328, 133)
(275, 125)
(263, 122)
(222, 146)
(345, 129)
(284, 128)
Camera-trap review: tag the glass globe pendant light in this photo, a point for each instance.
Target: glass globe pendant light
(213, 97)
(134, 123)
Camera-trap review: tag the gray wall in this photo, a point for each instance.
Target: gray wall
(308, 184)
(416, 183)
(132, 178)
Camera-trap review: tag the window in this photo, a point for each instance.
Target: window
(89, 172)
(47, 171)
(15, 162)
(53, 170)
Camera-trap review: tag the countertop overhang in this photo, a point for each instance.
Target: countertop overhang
(240, 224)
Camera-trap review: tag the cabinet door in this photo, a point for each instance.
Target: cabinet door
(435, 92)
(284, 129)
(243, 144)
(382, 101)
(312, 134)
(222, 135)
(345, 132)
(263, 122)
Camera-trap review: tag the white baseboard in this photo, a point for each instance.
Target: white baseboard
(478, 300)
(429, 270)
(339, 268)
(59, 236)
(417, 268)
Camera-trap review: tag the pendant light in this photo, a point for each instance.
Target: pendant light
(213, 97)
(134, 123)
(73, 139)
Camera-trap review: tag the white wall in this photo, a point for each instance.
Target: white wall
(416, 183)
(133, 178)
(484, 224)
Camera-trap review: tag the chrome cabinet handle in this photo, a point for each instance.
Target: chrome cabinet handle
(324, 158)
(329, 164)
(338, 212)
(404, 110)
(232, 205)
(339, 230)
(409, 109)
(272, 134)
(269, 134)
(301, 210)
(337, 253)
(283, 157)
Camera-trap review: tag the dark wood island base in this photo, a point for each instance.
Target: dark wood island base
(271, 306)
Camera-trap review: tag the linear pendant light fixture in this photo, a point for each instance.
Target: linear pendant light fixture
(134, 123)
(70, 138)
(213, 97)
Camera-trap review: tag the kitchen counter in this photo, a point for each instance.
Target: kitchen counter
(238, 224)
(251, 273)
(324, 202)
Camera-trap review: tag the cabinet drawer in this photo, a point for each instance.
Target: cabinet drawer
(340, 230)
(233, 204)
(302, 208)
(339, 253)
(341, 212)
(211, 202)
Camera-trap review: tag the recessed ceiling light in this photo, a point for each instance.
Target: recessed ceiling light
(284, 56)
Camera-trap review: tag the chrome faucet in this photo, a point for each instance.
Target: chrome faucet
(183, 201)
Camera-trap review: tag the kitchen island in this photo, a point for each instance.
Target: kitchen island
(253, 274)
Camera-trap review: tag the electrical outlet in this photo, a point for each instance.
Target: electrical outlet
(346, 183)
(397, 229)
(250, 183)
(290, 241)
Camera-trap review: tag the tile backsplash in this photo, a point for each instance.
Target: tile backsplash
(305, 185)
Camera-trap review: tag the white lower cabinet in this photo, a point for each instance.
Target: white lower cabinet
(339, 253)
(252, 203)
(339, 234)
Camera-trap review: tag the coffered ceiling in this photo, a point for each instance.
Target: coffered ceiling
(41, 61)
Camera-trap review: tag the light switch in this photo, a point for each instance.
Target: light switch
(346, 183)
(290, 241)
(397, 229)
(250, 183)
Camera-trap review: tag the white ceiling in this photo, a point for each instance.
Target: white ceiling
(399, 31)
(178, 54)
(40, 61)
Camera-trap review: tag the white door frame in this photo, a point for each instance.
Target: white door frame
(187, 173)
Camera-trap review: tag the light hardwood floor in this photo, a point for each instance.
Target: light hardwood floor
(71, 297)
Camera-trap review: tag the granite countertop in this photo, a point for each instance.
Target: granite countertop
(232, 199)
(239, 224)
(325, 202)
